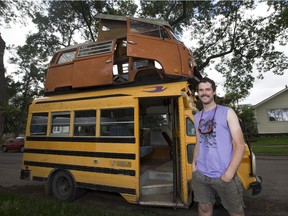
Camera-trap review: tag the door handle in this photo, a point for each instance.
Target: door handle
(131, 42)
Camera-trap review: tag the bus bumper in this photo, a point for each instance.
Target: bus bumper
(257, 185)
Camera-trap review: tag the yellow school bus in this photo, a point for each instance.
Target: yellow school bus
(135, 140)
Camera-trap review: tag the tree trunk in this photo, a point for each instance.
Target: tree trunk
(2, 86)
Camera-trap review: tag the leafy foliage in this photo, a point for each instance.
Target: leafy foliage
(23, 91)
(225, 33)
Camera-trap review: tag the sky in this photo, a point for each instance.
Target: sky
(262, 89)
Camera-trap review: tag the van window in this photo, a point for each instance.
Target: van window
(117, 122)
(148, 29)
(38, 124)
(85, 123)
(60, 124)
(66, 57)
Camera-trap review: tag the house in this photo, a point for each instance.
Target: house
(272, 113)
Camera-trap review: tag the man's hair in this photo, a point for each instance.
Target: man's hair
(205, 80)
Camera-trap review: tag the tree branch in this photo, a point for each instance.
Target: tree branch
(232, 47)
(183, 16)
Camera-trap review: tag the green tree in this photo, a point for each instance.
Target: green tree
(224, 30)
(220, 30)
(10, 12)
(29, 84)
(64, 23)
(246, 114)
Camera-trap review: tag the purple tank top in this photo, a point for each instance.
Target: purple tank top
(215, 148)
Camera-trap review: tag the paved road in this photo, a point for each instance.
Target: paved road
(273, 199)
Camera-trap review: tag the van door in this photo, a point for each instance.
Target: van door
(94, 64)
(151, 41)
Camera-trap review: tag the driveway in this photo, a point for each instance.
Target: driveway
(271, 201)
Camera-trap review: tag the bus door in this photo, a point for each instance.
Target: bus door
(160, 175)
(117, 151)
(150, 41)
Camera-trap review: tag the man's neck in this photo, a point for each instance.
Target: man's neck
(209, 106)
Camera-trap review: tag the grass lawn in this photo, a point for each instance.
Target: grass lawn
(274, 145)
(262, 141)
(20, 205)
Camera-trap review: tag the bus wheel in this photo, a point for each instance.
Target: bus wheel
(63, 186)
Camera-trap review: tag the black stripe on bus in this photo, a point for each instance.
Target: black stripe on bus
(95, 186)
(83, 98)
(39, 179)
(81, 168)
(82, 153)
(106, 188)
(83, 139)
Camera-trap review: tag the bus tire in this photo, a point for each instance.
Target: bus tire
(63, 186)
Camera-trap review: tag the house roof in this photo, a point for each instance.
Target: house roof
(271, 97)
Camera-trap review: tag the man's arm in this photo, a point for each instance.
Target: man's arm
(239, 145)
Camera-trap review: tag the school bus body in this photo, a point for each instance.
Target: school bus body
(117, 140)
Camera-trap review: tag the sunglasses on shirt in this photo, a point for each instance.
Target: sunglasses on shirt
(211, 123)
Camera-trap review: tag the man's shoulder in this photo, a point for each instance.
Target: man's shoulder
(223, 107)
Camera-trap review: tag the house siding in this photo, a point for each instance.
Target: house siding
(265, 126)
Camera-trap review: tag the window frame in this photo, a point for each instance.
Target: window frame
(60, 126)
(278, 117)
(31, 124)
(112, 122)
(92, 123)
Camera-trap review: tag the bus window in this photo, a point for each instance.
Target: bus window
(190, 131)
(190, 128)
(60, 124)
(190, 150)
(38, 124)
(117, 122)
(85, 123)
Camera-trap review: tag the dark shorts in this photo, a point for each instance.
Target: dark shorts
(231, 193)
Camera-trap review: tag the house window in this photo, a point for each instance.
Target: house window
(278, 115)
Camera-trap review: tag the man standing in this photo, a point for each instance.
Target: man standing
(216, 159)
